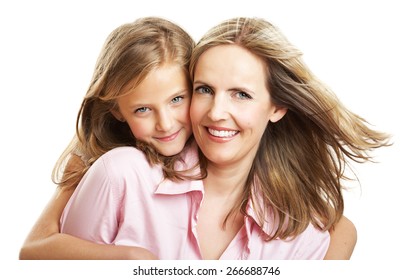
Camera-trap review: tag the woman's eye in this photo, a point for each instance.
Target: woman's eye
(243, 95)
(177, 99)
(203, 90)
(142, 110)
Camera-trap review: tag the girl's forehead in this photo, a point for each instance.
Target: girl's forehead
(160, 84)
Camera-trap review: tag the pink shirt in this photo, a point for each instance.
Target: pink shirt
(123, 200)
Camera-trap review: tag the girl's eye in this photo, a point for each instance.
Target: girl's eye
(243, 95)
(177, 99)
(142, 110)
(203, 90)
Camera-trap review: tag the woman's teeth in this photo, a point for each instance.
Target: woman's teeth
(222, 133)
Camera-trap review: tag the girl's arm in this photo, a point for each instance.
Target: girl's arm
(343, 239)
(45, 242)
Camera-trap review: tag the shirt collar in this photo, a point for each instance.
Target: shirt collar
(189, 159)
(179, 187)
(268, 225)
(185, 186)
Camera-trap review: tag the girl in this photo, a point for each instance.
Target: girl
(139, 96)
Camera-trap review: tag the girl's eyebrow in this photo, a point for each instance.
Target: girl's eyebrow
(179, 92)
(182, 91)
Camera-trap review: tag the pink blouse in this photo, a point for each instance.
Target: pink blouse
(122, 200)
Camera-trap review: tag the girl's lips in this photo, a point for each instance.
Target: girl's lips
(169, 137)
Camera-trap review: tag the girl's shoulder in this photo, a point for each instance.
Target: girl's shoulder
(124, 153)
(122, 161)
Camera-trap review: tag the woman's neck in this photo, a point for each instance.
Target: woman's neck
(226, 182)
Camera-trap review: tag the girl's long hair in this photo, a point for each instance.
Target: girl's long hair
(130, 52)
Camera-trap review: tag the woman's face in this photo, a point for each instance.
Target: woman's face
(157, 110)
(231, 104)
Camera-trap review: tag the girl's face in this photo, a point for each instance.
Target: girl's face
(157, 110)
(231, 105)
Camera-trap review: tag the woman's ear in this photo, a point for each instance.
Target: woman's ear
(118, 115)
(278, 114)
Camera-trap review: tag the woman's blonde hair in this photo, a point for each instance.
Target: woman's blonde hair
(298, 170)
(130, 52)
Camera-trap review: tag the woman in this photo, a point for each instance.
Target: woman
(272, 134)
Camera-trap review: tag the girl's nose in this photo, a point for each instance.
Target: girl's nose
(164, 122)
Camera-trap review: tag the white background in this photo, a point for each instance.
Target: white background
(361, 49)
